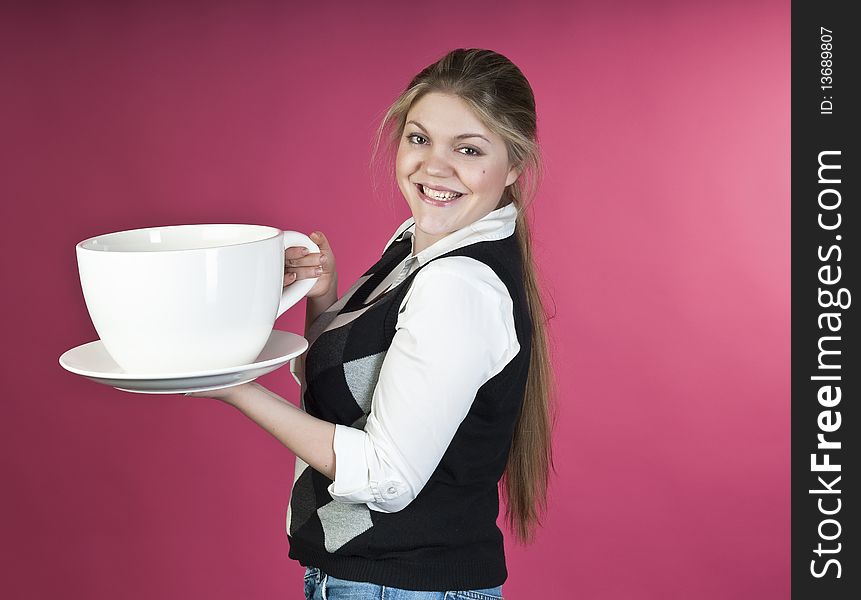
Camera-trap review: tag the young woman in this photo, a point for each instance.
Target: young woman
(429, 381)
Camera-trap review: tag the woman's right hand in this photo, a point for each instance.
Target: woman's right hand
(301, 264)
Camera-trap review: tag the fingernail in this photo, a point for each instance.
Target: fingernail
(293, 275)
(304, 251)
(323, 258)
(318, 271)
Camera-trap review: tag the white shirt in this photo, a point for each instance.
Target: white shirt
(455, 331)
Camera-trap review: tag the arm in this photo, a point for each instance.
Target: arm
(300, 264)
(455, 333)
(309, 438)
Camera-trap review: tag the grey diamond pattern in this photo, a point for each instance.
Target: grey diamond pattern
(342, 522)
(362, 375)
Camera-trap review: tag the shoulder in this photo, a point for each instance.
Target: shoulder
(458, 289)
(462, 301)
(464, 274)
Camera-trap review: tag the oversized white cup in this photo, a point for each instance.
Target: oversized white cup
(188, 297)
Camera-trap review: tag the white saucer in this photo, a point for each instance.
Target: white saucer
(92, 361)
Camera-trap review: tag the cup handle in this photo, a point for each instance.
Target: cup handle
(296, 290)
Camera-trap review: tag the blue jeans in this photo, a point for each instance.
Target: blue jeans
(320, 586)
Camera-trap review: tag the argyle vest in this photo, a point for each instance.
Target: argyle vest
(447, 537)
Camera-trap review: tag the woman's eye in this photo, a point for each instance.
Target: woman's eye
(421, 141)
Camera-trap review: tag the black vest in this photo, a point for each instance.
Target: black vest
(447, 537)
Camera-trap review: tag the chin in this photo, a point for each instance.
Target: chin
(433, 224)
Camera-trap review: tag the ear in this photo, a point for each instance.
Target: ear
(513, 174)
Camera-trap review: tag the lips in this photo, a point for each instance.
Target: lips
(439, 188)
(438, 195)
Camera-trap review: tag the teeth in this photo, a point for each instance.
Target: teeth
(439, 195)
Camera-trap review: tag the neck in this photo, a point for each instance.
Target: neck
(422, 241)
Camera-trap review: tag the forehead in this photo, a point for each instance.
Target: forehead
(446, 114)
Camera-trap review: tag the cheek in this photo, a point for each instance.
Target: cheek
(400, 154)
(404, 162)
(486, 180)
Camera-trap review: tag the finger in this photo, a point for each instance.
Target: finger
(305, 272)
(311, 260)
(318, 238)
(296, 252)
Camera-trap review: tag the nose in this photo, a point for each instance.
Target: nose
(437, 163)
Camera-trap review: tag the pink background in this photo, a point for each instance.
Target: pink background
(662, 231)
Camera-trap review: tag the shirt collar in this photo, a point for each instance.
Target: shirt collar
(495, 225)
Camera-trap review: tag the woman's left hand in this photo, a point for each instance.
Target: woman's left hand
(227, 395)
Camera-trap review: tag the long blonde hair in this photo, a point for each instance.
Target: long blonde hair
(503, 100)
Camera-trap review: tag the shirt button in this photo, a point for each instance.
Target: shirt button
(392, 491)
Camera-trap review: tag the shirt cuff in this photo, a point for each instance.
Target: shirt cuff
(353, 482)
(351, 466)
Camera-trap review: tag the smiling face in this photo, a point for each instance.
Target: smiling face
(445, 147)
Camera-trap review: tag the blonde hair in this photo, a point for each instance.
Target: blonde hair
(501, 97)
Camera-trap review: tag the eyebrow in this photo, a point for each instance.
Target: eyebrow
(462, 136)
